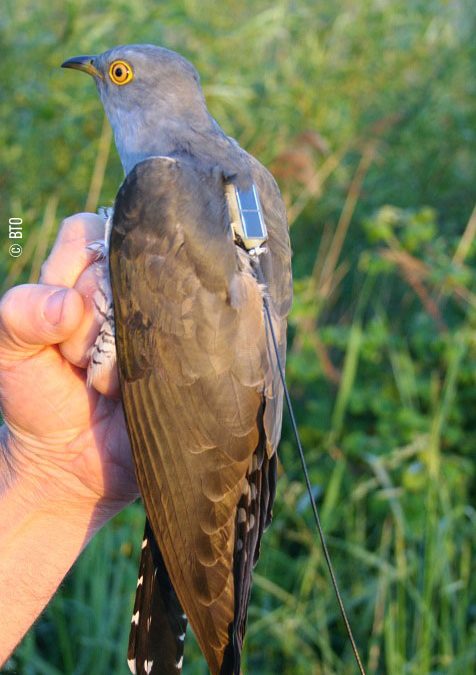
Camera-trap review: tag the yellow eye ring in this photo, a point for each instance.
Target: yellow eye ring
(120, 72)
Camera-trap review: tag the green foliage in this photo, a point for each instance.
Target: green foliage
(365, 113)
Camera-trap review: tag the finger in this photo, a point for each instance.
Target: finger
(32, 316)
(70, 254)
(106, 381)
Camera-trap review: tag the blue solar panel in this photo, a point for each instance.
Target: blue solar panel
(247, 200)
(251, 216)
(252, 224)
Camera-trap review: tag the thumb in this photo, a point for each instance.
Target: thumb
(35, 315)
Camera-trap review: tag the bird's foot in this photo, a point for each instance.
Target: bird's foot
(98, 248)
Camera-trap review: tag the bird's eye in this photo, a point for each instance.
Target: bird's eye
(120, 72)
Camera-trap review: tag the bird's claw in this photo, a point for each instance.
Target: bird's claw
(99, 249)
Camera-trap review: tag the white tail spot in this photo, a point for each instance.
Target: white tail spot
(148, 666)
(179, 663)
(181, 637)
(132, 666)
(144, 544)
(135, 618)
(252, 522)
(140, 581)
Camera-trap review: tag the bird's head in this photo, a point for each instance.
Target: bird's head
(149, 94)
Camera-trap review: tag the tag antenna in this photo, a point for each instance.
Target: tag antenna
(330, 567)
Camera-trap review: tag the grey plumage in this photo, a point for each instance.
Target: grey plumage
(164, 112)
(200, 387)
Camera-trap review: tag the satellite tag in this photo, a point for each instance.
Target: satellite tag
(247, 220)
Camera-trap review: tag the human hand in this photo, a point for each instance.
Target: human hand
(61, 435)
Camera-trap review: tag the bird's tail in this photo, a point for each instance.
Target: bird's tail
(158, 623)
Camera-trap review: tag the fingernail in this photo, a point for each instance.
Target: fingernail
(54, 307)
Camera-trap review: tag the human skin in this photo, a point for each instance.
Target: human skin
(65, 460)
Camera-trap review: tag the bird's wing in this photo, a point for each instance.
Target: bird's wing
(198, 385)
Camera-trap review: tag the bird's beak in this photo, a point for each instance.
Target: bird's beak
(85, 63)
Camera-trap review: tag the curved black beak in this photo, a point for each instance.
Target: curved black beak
(84, 63)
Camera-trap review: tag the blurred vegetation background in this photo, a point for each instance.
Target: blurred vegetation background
(366, 114)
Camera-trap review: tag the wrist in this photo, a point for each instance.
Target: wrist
(41, 536)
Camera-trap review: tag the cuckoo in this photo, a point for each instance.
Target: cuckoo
(197, 242)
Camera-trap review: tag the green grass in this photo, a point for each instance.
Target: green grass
(365, 112)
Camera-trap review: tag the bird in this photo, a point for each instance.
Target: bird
(197, 243)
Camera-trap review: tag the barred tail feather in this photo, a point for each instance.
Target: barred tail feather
(158, 624)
